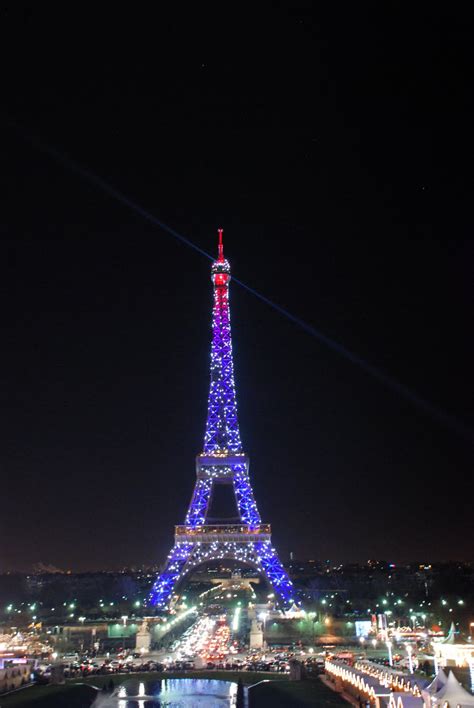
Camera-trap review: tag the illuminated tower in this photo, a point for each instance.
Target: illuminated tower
(222, 462)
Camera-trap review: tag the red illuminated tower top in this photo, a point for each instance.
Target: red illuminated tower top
(220, 268)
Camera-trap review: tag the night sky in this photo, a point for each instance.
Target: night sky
(336, 151)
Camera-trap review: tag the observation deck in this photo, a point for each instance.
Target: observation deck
(221, 466)
(211, 533)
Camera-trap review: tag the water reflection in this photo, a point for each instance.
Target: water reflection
(170, 693)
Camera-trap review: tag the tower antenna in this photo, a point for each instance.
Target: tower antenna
(221, 245)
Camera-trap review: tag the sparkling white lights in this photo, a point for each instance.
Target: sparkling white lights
(222, 460)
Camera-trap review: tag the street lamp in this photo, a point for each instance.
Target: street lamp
(263, 616)
(390, 658)
(124, 619)
(409, 649)
(374, 643)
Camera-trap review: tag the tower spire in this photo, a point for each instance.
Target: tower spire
(222, 428)
(220, 246)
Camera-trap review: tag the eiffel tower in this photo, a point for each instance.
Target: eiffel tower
(222, 462)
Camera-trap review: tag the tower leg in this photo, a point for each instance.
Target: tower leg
(165, 583)
(246, 504)
(198, 508)
(275, 572)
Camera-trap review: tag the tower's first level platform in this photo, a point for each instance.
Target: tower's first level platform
(212, 533)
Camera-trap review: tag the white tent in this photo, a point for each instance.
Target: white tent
(451, 638)
(452, 694)
(437, 683)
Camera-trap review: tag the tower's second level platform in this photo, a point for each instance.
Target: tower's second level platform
(212, 533)
(221, 466)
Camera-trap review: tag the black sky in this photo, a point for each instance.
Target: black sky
(336, 151)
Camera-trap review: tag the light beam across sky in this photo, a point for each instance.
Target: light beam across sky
(435, 412)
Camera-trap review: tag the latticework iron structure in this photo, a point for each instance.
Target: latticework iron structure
(222, 462)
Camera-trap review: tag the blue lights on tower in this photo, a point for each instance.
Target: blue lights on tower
(222, 462)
